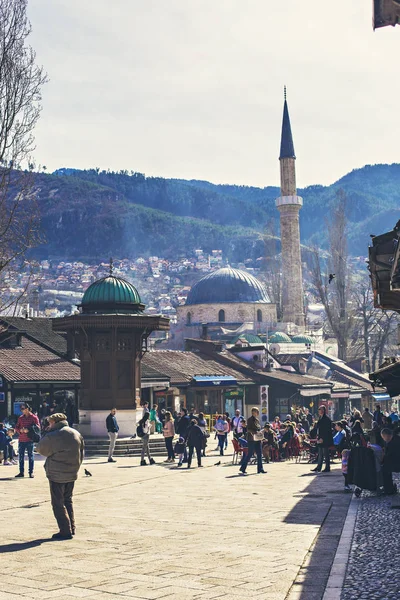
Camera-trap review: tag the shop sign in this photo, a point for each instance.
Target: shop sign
(264, 408)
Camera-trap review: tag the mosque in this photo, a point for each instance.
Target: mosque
(228, 301)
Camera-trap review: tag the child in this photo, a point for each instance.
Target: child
(180, 450)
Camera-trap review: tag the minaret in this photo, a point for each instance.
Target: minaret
(289, 205)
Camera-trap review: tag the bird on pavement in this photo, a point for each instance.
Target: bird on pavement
(217, 464)
(88, 473)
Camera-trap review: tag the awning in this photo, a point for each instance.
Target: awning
(340, 394)
(382, 397)
(308, 392)
(151, 384)
(214, 380)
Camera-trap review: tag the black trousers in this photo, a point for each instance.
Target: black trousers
(61, 501)
(168, 445)
(387, 475)
(198, 452)
(323, 452)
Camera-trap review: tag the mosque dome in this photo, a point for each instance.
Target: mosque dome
(280, 338)
(303, 339)
(111, 295)
(227, 285)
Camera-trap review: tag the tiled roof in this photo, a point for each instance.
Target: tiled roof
(295, 378)
(182, 366)
(150, 374)
(32, 362)
(40, 329)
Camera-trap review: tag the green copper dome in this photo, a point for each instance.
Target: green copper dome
(279, 338)
(111, 295)
(303, 339)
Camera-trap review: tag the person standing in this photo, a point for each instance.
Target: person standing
(202, 423)
(169, 433)
(182, 428)
(63, 448)
(391, 460)
(367, 418)
(25, 423)
(146, 425)
(112, 429)
(254, 437)
(237, 425)
(378, 415)
(195, 441)
(154, 420)
(221, 428)
(324, 440)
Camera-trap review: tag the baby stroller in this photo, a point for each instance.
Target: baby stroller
(363, 469)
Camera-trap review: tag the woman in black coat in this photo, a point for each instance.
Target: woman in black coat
(195, 439)
(324, 440)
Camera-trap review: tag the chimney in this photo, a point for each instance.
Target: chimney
(204, 331)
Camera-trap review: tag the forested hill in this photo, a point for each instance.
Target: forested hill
(90, 214)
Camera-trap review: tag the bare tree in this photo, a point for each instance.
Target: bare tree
(331, 276)
(21, 81)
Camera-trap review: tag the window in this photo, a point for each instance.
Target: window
(124, 344)
(259, 316)
(221, 316)
(102, 344)
(189, 318)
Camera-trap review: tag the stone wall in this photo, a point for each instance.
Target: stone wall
(236, 312)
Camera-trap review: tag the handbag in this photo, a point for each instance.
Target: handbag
(258, 436)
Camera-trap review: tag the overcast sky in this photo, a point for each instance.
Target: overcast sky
(194, 88)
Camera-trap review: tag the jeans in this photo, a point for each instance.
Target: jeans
(169, 447)
(61, 501)
(198, 452)
(226, 441)
(145, 447)
(253, 447)
(113, 438)
(28, 446)
(323, 452)
(221, 442)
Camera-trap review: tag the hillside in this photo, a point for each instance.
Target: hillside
(90, 214)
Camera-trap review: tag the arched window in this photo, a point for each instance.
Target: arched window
(221, 316)
(189, 318)
(259, 315)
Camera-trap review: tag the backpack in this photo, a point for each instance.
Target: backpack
(139, 430)
(34, 433)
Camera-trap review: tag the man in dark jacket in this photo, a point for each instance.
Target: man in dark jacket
(378, 414)
(112, 429)
(183, 424)
(63, 448)
(324, 440)
(391, 460)
(195, 437)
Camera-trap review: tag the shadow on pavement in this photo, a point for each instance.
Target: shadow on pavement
(18, 546)
(323, 503)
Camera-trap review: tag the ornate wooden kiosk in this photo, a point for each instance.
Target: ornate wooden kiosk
(109, 336)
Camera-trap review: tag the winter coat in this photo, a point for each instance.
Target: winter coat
(253, 425)
(63, 448)
(182, 426)
(367, 416)
(324, 431)
(361, 468)
(169, 429)
(195, 436)
(392, 454)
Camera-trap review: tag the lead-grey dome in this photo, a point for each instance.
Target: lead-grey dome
(227, 285)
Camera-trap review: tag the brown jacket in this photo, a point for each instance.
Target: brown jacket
(253, 425)
(63, 447)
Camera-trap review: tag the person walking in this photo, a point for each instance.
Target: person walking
(146, 425)
(23, 427)
(169, 433)
(227, 418)
(202, 423)
(112, 429)
(254, 438)
(63, 448)
(324, 440)
(194, 441)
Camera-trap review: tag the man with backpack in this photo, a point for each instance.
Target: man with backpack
(28, 429)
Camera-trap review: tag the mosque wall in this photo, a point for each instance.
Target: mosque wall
(233, 312)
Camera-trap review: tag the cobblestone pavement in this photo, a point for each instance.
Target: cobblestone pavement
(158, 532)
(373, 570)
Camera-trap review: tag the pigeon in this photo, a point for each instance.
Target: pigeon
(331, 277)
(88, 473)
(217, 464)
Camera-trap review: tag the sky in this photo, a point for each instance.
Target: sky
(193, 89)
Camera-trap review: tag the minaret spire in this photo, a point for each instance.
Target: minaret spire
(289, 205)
